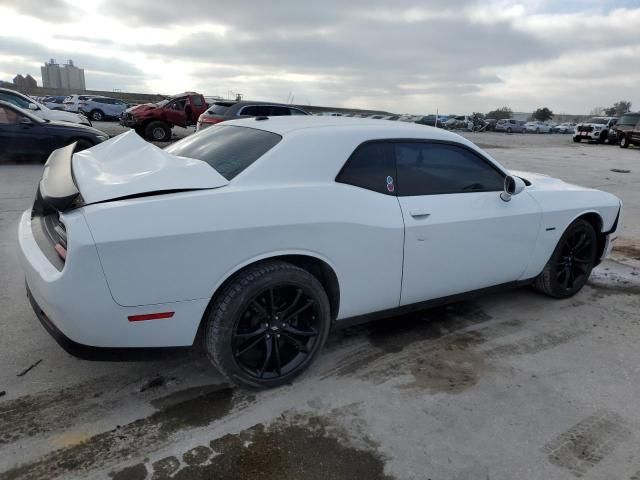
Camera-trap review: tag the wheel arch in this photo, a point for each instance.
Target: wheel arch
(313, 263)
(595, 219)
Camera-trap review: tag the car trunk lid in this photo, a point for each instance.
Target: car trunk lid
(122, 167)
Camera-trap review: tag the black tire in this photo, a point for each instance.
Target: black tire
(157, 131)
(571, 263)
(509, 130)
(603, 138)
(577, 139)
(96, 115)
(242, 338)
(82, 144)
(624, 142)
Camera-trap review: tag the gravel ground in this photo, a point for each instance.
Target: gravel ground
(511, 385)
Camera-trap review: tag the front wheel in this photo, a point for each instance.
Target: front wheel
(571, 263)
(509, 130)
(624, 142)
(577, 139)
(158, 132)
(268, 325)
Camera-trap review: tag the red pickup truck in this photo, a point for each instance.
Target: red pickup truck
(154, 121)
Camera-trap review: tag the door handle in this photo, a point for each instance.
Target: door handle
(419, 214)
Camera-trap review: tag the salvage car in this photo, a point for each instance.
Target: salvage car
(27, 137)
(627, 122)
(596, 129)
(537, 127)
(40, 110)
(629, 136)
(102, 108)
(254, 237)
(154, 121)
(224, 110)
(509, 125)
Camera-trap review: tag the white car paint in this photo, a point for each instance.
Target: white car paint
(129, 164)
(173, 251)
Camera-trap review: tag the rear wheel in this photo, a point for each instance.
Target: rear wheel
(509, 130)
(268, 325)
(96, 115)
(569, 267)
(158, 132)
(577, 139)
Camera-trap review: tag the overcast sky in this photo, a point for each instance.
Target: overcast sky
(402, 56)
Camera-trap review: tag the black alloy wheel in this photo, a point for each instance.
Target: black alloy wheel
(277, 332)
(267, 325)
(576, 260)
(570, 265)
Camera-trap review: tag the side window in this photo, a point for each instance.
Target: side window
(256, 110)
(295, 111)
(8, 116)
(435, 168)
(197, 101)
(370, 166)
(279, 111)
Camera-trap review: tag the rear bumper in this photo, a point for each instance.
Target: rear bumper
(87, 352)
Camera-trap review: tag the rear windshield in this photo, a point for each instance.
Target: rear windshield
(228, 149)
(219, 108)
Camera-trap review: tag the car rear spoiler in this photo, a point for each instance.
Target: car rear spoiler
(57, 189)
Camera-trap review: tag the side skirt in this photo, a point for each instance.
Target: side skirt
(436, 302)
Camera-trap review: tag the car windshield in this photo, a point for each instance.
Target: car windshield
(162, 103)
(600, 121)
(228, 149)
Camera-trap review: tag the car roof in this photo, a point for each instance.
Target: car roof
(283, 125)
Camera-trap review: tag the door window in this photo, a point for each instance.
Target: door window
(371, 166)
(438, 168)
(256, 110)
(279, 111)
(8, 116)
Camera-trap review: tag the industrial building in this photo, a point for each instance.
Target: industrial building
(68, 75)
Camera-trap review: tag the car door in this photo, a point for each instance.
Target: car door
(635, 134)
(22, 138)
(175, 114)
(459, 234)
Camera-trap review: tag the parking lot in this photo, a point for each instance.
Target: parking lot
(507, 386)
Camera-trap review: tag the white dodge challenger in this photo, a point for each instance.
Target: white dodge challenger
(256, 236)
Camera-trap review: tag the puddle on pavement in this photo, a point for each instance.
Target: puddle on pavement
(201, 407)
(445, 361)
(308, 450)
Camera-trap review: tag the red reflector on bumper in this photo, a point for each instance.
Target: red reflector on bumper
(150, 316)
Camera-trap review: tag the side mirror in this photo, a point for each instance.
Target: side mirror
(512, 186)
(33, 106)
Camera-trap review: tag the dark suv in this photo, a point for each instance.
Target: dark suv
(626, 124)
(230, 110)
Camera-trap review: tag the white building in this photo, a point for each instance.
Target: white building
(68, 75)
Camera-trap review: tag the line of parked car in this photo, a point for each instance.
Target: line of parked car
(622, 131)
